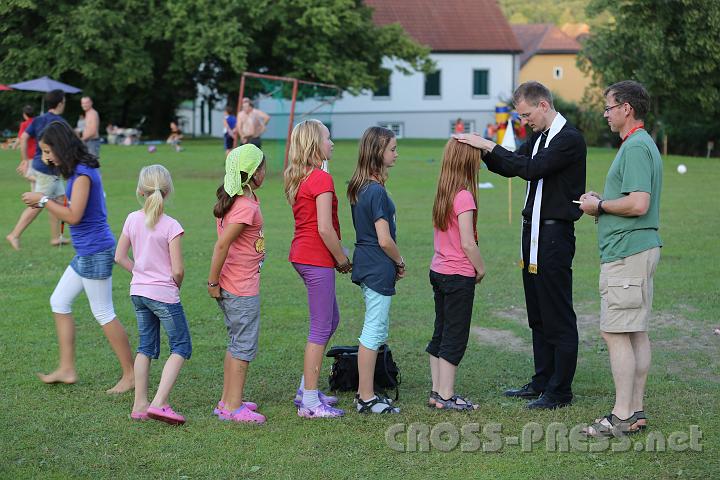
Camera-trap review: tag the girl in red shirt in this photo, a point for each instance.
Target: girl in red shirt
(315, 252)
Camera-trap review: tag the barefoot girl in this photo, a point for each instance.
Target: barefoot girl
(315, 252)
(455, 269)
(91, 268)
(157, 274)
(377, 263)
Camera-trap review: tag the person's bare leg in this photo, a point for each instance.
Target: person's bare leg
(312, 364)
(622, 364)
(167, 380)
(226, 375)
(236, 383)
(120, 344)
(366, 372)
(641, 349)
(26, 218)
(142, 373)
(446, 378)
(65, 373)
(434, 374)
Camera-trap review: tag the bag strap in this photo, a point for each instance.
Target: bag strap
(387, 373)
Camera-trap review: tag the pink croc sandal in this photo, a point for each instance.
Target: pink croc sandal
(242, 415)
(221, 406)
(165, 414)
(139, 416)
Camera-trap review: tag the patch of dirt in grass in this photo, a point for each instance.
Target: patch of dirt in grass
(688, 336)
(504, 339)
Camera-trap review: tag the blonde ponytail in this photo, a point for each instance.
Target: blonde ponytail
(154, 184)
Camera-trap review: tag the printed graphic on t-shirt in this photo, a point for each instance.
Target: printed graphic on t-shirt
(260, 243)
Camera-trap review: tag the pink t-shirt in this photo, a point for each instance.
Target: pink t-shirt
(449, 258)
(240, 274)
(152, 272)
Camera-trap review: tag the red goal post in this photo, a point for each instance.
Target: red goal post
(295, 82)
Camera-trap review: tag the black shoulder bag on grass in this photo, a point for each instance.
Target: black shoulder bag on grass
(344, 371)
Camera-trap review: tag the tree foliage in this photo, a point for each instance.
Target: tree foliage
(140, 57)
(671, 47)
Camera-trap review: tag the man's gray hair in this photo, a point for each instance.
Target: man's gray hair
(533, 92)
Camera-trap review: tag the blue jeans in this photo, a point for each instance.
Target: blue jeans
(150, 314)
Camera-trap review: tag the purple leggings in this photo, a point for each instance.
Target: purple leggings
(324, 313)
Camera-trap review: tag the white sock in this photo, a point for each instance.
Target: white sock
(310, 399)
(377, 408)
(302, 383)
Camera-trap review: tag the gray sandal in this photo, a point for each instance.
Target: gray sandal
(456, 402)
(614, 427)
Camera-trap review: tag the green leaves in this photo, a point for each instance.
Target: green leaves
(145, 57)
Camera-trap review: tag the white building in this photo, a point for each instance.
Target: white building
(476, 54)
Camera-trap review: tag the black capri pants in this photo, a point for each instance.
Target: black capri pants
(454, 295)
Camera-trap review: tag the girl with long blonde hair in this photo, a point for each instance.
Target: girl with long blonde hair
(456, 268)
(314, 252)
(157, 274)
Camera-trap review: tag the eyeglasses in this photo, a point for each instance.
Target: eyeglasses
(607, 109)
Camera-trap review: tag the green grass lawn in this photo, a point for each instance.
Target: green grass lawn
(80, 432)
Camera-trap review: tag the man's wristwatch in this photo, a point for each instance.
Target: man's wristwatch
(600, 208)
(401, 265)
(213, 285)
(43, 201)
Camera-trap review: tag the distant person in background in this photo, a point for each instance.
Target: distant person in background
(229, 121)
(175, 137)
(91, 128)
(80, 125)
(459, 126)
(47, 180)
(24, 168)
(251, 123)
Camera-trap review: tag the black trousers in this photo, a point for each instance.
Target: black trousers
(548, 298)
(454, 295)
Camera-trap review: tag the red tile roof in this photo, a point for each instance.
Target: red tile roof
(450, 25)
(539, 38)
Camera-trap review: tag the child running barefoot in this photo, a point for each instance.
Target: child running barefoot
(455, 269)
(377, 263)
(91, 268)
(315, 252)
(157, 269)
(234, 278)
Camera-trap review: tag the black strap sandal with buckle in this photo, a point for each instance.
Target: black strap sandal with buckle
(456, 402)
(384, 402)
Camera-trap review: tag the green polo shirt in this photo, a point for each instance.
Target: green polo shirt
(637, 168)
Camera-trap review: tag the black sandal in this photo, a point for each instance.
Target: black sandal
(367, 407)
(637, 427)
(456, 402)
(434, 398)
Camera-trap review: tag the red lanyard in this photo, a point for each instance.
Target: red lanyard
(632, 131)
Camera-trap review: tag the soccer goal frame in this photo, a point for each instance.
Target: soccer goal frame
(295, 82)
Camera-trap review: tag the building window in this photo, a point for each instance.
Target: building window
(432, 84)
(467, 125)
(558, 73)
(396, 127)
(480, 83)
(382, 90)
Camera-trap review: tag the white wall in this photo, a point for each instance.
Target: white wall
(421, 117)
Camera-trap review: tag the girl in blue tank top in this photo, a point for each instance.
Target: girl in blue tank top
(91, 268)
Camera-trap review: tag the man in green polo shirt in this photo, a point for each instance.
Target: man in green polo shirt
(628, 215)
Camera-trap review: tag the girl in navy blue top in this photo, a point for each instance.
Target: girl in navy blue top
(377, 263)
(91, 268)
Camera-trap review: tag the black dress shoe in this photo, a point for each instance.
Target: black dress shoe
(546, 403)
(526, 391)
